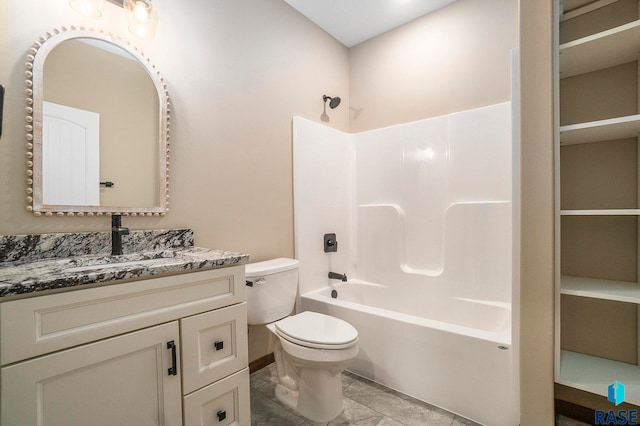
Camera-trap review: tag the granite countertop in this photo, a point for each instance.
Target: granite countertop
(28, 277)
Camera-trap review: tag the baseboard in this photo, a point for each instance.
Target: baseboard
(260, 363)
(575, 411)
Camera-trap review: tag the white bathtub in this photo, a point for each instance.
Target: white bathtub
(454, 353)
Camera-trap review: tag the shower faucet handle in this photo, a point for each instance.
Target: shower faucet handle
(330, 243)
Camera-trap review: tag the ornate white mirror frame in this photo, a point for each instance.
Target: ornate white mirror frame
(34, 128)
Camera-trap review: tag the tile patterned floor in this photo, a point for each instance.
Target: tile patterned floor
(366, 403)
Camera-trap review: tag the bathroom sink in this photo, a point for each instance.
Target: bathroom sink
(92, 263)
(140, 262)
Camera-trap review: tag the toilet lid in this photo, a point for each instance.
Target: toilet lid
(317, 330)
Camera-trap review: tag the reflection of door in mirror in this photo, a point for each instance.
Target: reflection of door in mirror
(71, 156)
(96, 75)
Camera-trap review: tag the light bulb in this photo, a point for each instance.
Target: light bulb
(140, 12)
(89, 8)
(143, 17)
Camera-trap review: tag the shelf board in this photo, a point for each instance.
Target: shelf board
(593, 374)
(601, 212)
(620, 291)
(602, 50)
(601, 130)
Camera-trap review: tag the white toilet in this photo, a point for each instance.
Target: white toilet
(311, 349)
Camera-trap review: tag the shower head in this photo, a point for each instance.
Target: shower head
(333, 102)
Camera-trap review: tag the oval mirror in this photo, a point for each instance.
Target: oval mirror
(98, 127)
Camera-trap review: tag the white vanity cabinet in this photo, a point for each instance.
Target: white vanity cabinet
(162, 351)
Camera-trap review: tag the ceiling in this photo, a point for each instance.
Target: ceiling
(354, 21)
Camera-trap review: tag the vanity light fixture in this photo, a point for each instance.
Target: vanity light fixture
(142, 16)
(89, 8)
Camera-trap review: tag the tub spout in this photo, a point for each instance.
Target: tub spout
(336, 276)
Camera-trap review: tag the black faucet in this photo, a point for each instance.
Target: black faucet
(336, 276)
(117, 231)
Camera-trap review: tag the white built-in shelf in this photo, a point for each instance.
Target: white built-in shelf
(593, 374)
(620, 291)
(602, 50)
(601, 212)
(601, 130)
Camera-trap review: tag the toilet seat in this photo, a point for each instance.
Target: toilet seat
(315, 330)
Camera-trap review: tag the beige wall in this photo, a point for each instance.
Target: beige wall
(537, 264)
(237, 71)
(454, 59)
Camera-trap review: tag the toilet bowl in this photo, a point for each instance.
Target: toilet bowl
(311, 349)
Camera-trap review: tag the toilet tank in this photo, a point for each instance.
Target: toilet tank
(272, 288)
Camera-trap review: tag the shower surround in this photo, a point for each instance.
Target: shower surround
(426, 229)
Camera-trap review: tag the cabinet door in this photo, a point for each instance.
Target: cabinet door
(124, 380)
(223, 403)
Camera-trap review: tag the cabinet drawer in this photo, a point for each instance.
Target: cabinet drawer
(214, 345)
(39, 325)
(223, 403)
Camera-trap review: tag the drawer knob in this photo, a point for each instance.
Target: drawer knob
(219, 345)
(221, 415)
